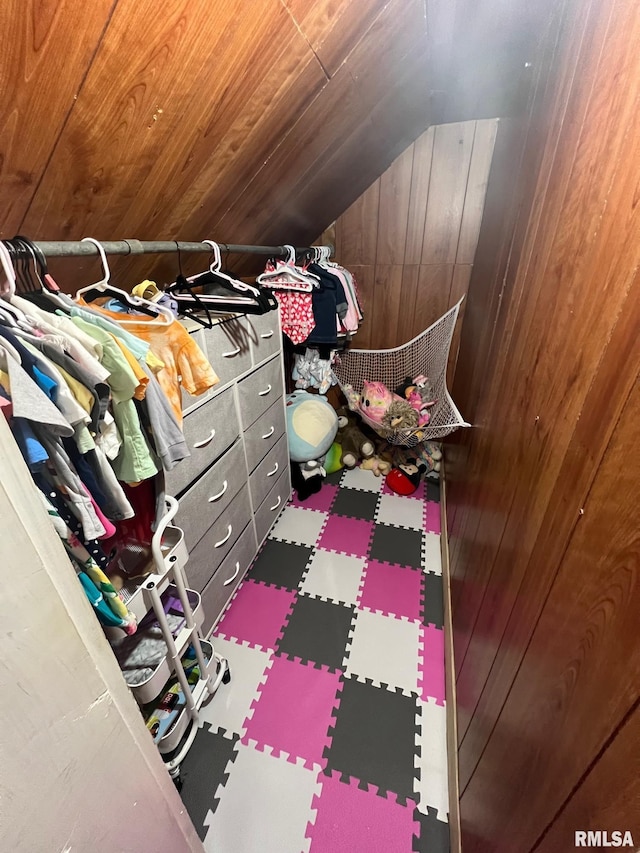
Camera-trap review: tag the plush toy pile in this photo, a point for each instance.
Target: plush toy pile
(322, 441)
(407, 409)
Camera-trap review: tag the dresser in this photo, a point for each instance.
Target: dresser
(237, 479)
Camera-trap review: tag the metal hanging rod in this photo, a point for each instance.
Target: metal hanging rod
(77, 248)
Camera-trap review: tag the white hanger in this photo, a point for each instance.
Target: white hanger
(216, 269)
(128, 298)
(8, 287)
(287, 273)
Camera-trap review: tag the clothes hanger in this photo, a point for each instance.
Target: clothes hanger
(238, 296)
(137, 303)
(8, 284)
(287, 276)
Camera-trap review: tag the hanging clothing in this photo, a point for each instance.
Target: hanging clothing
(185, 365)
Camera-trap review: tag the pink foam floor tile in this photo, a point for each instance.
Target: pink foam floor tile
(392, 590)
(257, 615)
(432, 517)
(359, 821)
(347, 535)
(321, 501)
(294, 711)
(431, 664)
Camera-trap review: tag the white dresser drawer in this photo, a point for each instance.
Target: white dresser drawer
(208, 431)
(265, 335)
(269, 471)
(226, 579)
(264, 434)
(210, 495)
(272, 506)
(229, 349)
(260, 390)
(219, 539)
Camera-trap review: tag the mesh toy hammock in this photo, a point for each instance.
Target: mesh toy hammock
(427, 354)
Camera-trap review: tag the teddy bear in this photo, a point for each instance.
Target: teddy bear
(381, 462)
(355, 445)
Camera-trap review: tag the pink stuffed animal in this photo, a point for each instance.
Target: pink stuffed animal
(375, 400)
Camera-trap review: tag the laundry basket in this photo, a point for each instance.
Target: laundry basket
(427, 354)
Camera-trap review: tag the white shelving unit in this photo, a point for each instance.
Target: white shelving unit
(170, 555)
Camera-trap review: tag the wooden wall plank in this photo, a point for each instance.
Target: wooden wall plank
(581, 673)
(387, 224)
(333, 29)
(395, 189)
(365, 279)
(609, 797)
(459, 288)
(452, 148)
(421, 172)
(483, 144)
(42, 70)
(407, 297)
(386, 308)
(358, 228)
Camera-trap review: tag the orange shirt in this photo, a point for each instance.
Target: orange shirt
(185, 365)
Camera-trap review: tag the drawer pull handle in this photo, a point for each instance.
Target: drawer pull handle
(270, 433)
(206, 440)
(268, 334)
(231, 353)
(220, 493)
(276, 504)
(226, 538)
(233, 576)
(266, 391)
(271, 473)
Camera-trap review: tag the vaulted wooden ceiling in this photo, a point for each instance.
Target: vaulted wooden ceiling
(242, 121)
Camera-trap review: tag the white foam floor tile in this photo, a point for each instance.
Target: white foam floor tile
(385, 650)
(230, 705)
(432, 553)
(360, 478)
(264, 806)
(432, 788)
(300, 525)
(335, 577)
(400, 512)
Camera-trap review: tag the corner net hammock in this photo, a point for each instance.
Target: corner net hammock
(427, 354)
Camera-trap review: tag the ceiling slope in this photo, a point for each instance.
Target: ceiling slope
(255, 121)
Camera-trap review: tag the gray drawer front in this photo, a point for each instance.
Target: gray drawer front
(264, 434)
(265, 335)
(217, 414)
(265, 476)
(272, 506)
(189, 400)
(216, 595)
(222, 481)
(259, 390)
(218, 541)
(228, 349)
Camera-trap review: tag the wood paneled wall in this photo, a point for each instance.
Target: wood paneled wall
(544, 526)
(410, 238)
(246, 122)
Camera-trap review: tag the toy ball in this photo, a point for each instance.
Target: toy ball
(312, 425)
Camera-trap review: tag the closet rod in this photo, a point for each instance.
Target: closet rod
(71, 249)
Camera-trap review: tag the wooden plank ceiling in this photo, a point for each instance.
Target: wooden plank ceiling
(246, 122)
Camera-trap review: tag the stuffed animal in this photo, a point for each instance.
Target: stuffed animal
(306, 478)
(332, 462)
(418, 392)
(400, 415)
(375, 400)
(355, 445)
(405, 479)
(382, 461)
(312, 425)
